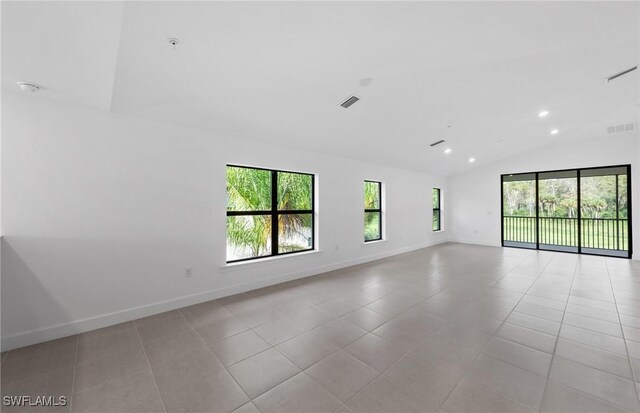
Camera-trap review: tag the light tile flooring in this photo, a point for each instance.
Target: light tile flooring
(451, 328)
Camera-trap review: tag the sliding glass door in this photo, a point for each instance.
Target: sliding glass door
(519, 210)
(579, 210)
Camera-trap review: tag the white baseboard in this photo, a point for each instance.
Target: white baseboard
(476, 242)
(87, 324)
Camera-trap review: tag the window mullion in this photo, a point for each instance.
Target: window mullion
(439, 215)
(380, 208)
(274, 212)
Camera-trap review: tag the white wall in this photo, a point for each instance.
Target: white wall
(102, 213)
(474, 197)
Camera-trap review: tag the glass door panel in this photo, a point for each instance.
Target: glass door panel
(604, 211)
(519, 210)
(557, 211)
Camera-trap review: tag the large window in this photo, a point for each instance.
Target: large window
(268, 212)
(437, 216)
(372, 211)
(575, 210)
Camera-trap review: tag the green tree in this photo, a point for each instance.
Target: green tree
(593, 207)
(547, 204)
(570, 206)
(249, 190)
(371, 219)
(294, 194)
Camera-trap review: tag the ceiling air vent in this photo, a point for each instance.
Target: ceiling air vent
(623, 127)
(349, 102)
(437, 143)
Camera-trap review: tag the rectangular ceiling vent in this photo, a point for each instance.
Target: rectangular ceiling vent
(623, 127)
(617, 75)
(349, 102)
(437, 143)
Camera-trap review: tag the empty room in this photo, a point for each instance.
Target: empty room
(310, 207)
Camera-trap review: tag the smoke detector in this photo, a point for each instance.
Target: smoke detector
(173, 41)
(366, 81)
(28, 87)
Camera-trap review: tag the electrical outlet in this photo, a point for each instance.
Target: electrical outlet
(188, 272)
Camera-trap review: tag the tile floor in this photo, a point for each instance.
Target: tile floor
(451, 328)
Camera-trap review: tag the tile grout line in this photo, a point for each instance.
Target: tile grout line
(590, 329)
(409, 351)
(362, 306)
(303, 370)
(75, 367)
(300, 369)
(513, 309)
(155, 382)
(626, 347)
(328, 321)
(591, 367)
(555, 345)
(499, 327)
(582, 364)
(214, 354)
(275, 346)
(478, 353)
(381, 373)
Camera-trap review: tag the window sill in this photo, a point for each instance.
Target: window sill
(438, 231)
(374, 242)
(241, 264)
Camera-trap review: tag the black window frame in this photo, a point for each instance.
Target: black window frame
(274, 212)
(439, 209)
(378, 210)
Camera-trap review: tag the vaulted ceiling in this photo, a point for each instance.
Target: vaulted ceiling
(475, 74)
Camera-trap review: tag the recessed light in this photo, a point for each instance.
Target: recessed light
(29, 87)
(448, 150)
(554, 131)
(543, 113)
(472, 160)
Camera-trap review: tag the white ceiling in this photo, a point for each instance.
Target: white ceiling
(277, 72)
(70, 48)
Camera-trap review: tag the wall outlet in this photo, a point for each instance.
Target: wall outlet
(188, 272)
